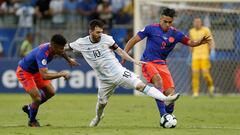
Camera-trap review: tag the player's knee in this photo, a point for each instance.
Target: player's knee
(205, 74)
(37, 99)
(169, 91)
(103, 101)
(51, 94)
(157, 82)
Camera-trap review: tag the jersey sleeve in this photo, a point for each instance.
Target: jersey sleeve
(41, 59)
(110, 40)
(181, 37)
(75, 45)
(144, 32)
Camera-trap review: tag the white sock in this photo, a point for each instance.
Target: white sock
(99, 109)
(155, 93)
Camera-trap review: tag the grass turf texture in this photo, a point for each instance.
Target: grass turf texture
(68, 114)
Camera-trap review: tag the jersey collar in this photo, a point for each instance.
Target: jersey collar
(91, 40)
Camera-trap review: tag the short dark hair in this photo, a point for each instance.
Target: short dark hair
(168, 12)
(58, 39)
(94, 23)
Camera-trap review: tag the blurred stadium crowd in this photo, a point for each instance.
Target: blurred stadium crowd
(42, 18)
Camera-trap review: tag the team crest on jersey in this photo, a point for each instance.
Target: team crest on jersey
(44, 62)
(103, 46)
(171, 39)
(165, 38)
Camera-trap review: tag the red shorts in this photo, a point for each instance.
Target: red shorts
(29, 80)
(150, 69)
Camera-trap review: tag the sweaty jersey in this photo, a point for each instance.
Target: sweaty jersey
(159, 43)
(37, 58)
(202, 51)
(99, 56)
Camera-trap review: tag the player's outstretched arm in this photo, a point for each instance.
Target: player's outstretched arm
(71, 61)
(130, 45)
(49, 76)
(204, 40)
(125, 56)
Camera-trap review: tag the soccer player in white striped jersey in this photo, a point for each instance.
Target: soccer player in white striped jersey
(97, 48)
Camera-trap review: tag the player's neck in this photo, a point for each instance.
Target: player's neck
(92, 40)
(198, 28)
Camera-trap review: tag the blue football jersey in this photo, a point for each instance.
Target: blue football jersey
(38, 58)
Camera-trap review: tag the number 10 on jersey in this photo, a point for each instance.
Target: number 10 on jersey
(96, 53)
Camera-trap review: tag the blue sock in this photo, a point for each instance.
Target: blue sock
(33, 111)
(170, 108)
(161, 107)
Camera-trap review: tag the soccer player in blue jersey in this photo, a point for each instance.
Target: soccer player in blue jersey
(161, 39)
(32, 72)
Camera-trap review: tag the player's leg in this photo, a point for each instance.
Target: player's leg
(104, 92)
(195, 77)
(130, 80)
(169, 106)
(33, 107)
(47, 90)
(26, 79)
(207, 75)
(168, 87)
(157, 82)
(151, 74)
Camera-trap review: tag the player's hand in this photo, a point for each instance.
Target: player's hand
(72, 62)
(205, 39)
(65, 74)
(139, 62)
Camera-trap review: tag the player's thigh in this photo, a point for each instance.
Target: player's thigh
(34, 93)
(167, 80)
(105, 90)
(196, 65)
(129, 80)
(26, 79)
(205, 64)
(40, 82)
(157, 81)
(149, 71)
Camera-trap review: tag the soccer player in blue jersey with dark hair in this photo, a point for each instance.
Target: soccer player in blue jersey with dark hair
(161, 39)
(32, 73)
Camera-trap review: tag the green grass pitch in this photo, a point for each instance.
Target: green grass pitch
(68, 114)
